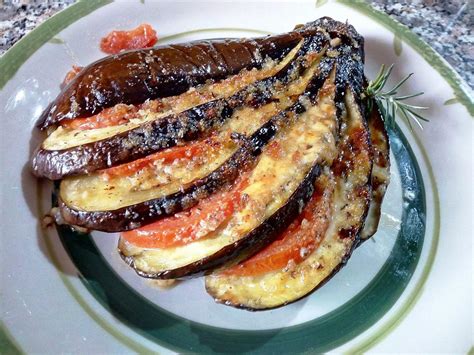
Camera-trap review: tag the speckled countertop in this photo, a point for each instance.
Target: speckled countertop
(447, 25)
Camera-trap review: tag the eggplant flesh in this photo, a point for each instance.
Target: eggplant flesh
(134, 76)
(183, 196)
(275, 185)
(349, 203)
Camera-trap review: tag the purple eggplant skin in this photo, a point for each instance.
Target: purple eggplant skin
(137, 215)
(255, 240)
(135, 76)
(381, 156)
(166, 132)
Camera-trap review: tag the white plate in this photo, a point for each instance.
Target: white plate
(409, 291)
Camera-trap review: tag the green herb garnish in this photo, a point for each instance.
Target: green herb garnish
(389, 103)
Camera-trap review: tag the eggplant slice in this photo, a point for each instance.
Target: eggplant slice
(63, 138)
(70, 152)
(92, 201)
(349, 203)
(279, 185)
(135, 76)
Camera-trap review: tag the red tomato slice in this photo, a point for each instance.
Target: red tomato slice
(188, 226)
(167, 156)
(294, 244)
(143, 36)
(118, 114)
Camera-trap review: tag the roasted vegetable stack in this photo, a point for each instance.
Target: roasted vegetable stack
(255, 162)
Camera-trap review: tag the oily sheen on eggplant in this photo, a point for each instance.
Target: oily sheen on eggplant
(136, 208)
(84, 151)
(347, 187)
(279, 185)
(105, 147)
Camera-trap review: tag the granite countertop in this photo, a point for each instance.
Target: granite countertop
(447, 25)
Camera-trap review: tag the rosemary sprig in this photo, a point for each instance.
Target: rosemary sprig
(389, 103)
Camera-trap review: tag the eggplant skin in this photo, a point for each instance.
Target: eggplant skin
(134, 76)
(246, 246)
(168, 131)
(380, 173)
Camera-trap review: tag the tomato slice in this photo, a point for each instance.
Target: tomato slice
(143, 36)
(166, 156)
(191, 225)
(294, 244)
(118, 114)
(71, 74)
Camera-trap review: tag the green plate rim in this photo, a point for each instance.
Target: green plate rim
(14, 58)
(21, 51)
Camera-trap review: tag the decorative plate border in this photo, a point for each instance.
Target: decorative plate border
(11, 61)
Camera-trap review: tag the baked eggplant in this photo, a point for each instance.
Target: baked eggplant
(135, 76)
(171, 121)
(75, 151)
(127, 202)
(324, 236)
(254, 162)
(278, 187)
